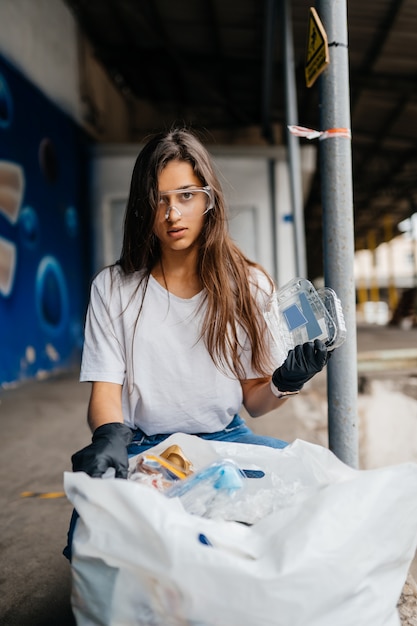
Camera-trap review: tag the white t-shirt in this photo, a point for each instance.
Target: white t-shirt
(170, 383)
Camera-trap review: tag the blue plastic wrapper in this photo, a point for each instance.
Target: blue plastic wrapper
(205, 492)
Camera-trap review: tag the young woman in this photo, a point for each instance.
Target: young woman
(175, 338)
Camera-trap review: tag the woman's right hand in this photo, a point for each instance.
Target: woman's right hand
(107, 449)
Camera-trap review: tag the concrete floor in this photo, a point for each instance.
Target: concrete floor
(44, 423)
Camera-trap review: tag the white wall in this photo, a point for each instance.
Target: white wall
(39, 37)
(111, 171)
(246, 187)
(245, 179)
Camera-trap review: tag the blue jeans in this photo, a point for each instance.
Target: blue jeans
(236, 431)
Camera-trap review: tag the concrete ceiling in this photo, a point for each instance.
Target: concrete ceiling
(217, 64)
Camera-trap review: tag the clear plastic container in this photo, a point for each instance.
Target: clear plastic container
(335, 311)
(298, 313)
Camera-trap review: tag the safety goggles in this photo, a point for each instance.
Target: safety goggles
(187, 201)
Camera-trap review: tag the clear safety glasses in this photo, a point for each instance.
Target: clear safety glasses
(187, 201)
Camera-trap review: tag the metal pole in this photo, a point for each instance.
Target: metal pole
(338, 230)
(273, 204)
(292, 141)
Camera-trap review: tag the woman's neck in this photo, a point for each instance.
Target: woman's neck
(179, 278)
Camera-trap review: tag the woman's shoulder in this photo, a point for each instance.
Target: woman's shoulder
(113, 277)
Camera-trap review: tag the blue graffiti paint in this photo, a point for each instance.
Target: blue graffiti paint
(29, 227)
(48, 160)
(41, 315)
(6, 104)
(71, 221)
(51, 296)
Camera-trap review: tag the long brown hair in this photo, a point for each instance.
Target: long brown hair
(223, 268)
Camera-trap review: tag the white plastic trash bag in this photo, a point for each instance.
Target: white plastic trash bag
(335, 551)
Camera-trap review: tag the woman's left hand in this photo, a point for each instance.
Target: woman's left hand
(301, 364)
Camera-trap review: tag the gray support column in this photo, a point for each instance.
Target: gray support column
(338, 230)
(292, 141)
(273, 204)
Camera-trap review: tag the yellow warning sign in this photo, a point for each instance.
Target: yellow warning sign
(317, 56)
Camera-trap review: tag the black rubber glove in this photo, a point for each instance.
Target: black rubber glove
(108, 449)
(301, 364)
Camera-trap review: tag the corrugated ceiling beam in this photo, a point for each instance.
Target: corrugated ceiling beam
(270, 25)
(381, 35)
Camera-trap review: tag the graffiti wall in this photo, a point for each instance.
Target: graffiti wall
(43, 219)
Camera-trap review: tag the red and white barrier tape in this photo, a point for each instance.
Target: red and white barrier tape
(310, 133)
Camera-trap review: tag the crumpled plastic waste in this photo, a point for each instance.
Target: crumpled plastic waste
(208, 490)
(220, 490)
